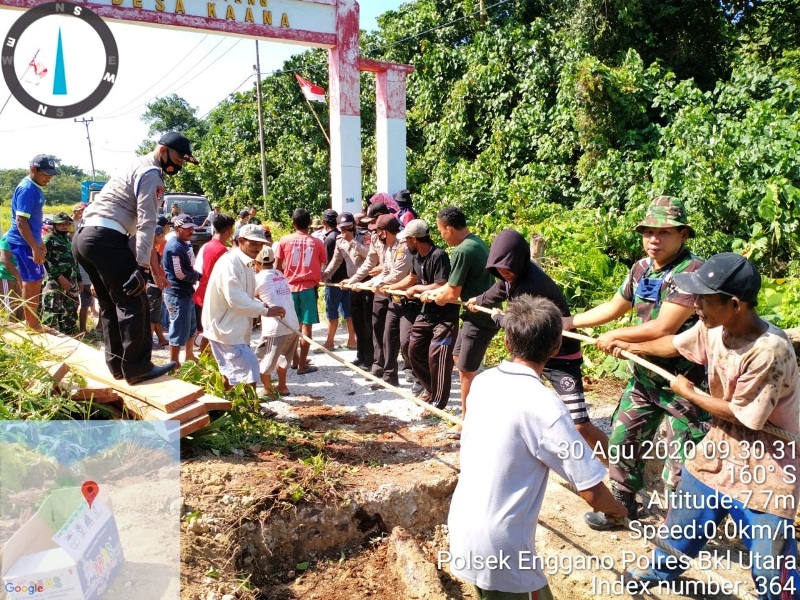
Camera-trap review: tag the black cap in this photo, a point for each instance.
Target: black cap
(45, 163)
(183, 221)
(162, 221)
(346, 219)
(375, 211)
(180, 144)
(329, 217)
(403, 197)
(726, 273)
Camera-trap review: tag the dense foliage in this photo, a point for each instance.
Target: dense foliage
(563, 117)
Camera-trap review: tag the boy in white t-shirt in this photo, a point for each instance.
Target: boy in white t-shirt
(509, 443)
(277, 340)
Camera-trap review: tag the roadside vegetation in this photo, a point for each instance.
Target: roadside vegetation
(558, 118)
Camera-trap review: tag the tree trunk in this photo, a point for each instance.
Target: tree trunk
(538, 245)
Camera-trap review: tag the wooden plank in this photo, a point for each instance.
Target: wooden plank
(96, 391)
(165, 393)
(142, 410)
(57, 370)
(145, 411)
(195, 424)
(189, 412)
(98, 395)
(215, 403)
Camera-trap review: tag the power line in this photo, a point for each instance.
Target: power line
(188, 72)
(132, 100)
(316, 66)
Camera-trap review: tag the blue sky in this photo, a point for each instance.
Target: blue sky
(154, 62)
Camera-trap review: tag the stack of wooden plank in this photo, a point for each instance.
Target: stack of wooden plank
(162, 399)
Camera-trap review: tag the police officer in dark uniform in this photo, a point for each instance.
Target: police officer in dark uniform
(127, 207)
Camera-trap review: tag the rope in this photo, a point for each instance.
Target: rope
(671, 377)
(711, 575)
(402, 393)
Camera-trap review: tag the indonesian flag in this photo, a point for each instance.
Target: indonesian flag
(38, 68)
(313, 93)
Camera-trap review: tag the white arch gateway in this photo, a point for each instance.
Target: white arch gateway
(330, 24)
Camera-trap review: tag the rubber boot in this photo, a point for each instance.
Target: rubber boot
(599, 522)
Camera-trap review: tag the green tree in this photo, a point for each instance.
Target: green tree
(173, 113)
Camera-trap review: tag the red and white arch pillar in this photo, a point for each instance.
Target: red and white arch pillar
(390, 130)
(345, 110)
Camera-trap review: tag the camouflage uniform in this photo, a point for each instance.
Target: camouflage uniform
(60, 308)
(647, 398)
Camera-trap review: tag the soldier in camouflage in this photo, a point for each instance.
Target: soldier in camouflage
(661, 309)
(62, 284)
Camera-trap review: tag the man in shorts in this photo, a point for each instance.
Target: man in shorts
(510, 262)
(337, 300)
(24, 237)
(302, 259)
(468, 278)
(156, 283)
(229, 307)
(10, 288)
(277, 340)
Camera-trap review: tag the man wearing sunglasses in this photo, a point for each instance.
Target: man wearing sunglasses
(127, 207)
(661, 309)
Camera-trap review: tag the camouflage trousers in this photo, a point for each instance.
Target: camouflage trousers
(634, 426)
(60, 310)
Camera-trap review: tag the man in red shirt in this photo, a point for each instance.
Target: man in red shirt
(207, 257)
(302, 259)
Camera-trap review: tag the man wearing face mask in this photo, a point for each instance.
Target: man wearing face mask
(127, 207)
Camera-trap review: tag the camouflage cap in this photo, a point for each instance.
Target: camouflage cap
(665, 211)
(61, 217)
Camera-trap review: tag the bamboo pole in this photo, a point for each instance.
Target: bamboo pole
(671, 377)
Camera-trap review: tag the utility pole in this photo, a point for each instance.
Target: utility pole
(86, 122)
(257, 68)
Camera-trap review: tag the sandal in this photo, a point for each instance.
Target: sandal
(450, 434)
(308, 369)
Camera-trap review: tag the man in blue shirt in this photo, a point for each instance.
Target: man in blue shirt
(179, 268)
(25, 235)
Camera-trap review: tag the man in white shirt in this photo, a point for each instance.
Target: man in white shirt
(230, 305)
(509, 443)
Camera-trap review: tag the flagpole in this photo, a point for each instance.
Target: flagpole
(19, 81)
(321, 128)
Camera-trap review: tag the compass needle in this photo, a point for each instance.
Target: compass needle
(60, 77)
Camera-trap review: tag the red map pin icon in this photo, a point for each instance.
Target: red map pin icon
(89, 490)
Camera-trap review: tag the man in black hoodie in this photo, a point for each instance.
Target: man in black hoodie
(510, 262)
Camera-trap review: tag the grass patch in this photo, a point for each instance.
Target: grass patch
(28, 391)
(242, 426)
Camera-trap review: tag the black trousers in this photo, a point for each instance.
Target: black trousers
(430, 349)
(109, 262)
(380, 305)
(397, 332)
(361, 311)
